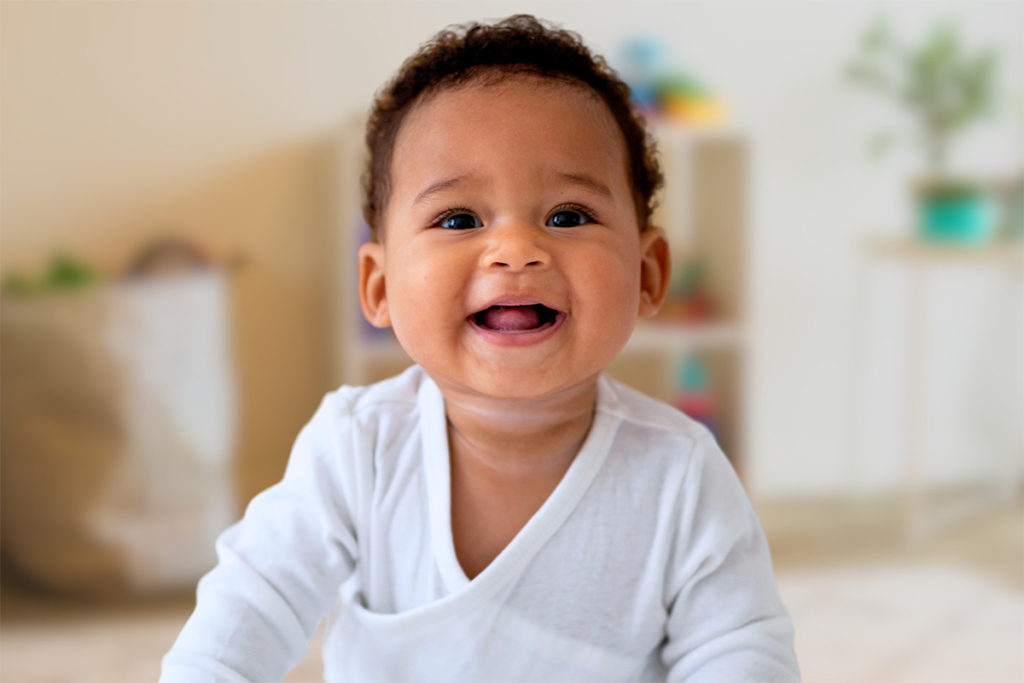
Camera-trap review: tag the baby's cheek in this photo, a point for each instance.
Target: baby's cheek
(403, 304)
(608, 314)
(422, 308)
(618, 282)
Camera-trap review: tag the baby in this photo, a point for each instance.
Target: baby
(502, 510)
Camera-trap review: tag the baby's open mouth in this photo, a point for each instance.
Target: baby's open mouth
(530, 318)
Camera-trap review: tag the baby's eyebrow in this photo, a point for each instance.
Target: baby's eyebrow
(440, 186)
(586, 181)
(580, 179)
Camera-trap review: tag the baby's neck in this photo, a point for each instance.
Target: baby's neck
(519, 439)
(507, 457)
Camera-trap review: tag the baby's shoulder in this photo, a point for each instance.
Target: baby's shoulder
(656, 419)
(396, 396)
(353, 421)
(366, 428)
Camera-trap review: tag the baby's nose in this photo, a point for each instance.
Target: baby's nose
(517, 247)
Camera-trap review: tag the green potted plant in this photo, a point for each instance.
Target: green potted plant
(945, 90)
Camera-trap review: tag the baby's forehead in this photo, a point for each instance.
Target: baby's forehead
(493, 89)
(511, 117)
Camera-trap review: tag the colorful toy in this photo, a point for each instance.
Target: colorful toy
(688, 300)
(693, 395)
(663, 92)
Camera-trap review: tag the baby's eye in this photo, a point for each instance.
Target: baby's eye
(568, 219)
(460, 221)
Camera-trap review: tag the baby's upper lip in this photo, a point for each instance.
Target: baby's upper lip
(518, 301)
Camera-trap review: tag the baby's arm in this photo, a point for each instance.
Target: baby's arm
(278, 573)
(726, 621)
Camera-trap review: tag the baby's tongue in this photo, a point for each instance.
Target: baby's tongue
(511, 318)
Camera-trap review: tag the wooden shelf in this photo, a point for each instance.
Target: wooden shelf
(386, 350)
(923, 253)
(669, 133)
(663, 336)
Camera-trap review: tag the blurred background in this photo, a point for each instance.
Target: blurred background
(178, 225)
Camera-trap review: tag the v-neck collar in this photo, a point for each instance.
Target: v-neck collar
(551, 515)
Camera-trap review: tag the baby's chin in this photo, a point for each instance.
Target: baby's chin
(519, 387)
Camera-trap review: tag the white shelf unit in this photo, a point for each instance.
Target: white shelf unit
(702, 208)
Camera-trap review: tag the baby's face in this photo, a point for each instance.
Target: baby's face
(512, 265)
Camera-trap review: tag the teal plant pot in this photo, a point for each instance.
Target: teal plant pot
(958, 219)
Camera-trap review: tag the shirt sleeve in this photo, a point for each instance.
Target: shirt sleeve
(278, 571)
(726, 621)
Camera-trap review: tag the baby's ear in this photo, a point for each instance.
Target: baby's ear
(373, 294)
(655, 269)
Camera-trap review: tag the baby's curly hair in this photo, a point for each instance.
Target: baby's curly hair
(520, 44)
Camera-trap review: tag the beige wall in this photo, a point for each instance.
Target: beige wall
(121, 120)
(125, 121)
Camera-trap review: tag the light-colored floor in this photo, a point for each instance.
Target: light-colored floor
(829, 533)
(866, 606)
(870, 607)
(923, 623)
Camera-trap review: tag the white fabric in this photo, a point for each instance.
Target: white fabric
(118, 407)
(646, 563)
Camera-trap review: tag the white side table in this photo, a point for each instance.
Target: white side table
(920, 258)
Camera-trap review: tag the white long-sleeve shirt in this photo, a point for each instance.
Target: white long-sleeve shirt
(647, 561)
